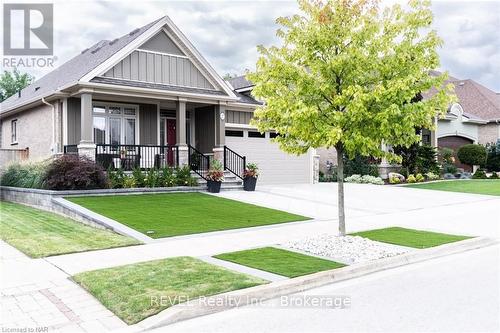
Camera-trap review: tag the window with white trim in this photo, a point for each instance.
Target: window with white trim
(115, 124)
(13, 131)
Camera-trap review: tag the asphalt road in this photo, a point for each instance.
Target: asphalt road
(458, 293)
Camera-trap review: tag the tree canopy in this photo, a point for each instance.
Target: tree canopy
(348, 75)
(12, 82)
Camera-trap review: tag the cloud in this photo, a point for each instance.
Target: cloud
(227, 32)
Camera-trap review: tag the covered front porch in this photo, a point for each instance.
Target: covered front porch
(128, 133)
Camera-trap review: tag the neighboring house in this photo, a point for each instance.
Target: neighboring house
(475, 118)
(146, 99)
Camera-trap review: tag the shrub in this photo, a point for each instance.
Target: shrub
(472, 154)
(72, 172)
(419, 177)
(494, 175)
(426, 159)
(432, 176)
(27, 175)
(167, 177)
(394, 180)
(479, 174)
(366, 179)
(129, 182)
(411, 179)
(493, 159)
(360, 165)
(140, 179)
(183, 177)
(417, 158)
(116, 177)
(152, 178)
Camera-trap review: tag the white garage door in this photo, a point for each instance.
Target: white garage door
(276, 166)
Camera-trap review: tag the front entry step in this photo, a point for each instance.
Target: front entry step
(231, 182)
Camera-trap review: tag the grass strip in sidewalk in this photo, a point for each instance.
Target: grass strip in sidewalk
(278, 261)
(409, 237)
(135, 292)
(39, 233)
(175, 214)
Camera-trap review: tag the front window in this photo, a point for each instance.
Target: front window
(115, 125)
(13, 131)
(99, 130)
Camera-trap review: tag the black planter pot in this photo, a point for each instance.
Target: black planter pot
(249, 183)
(213, 186)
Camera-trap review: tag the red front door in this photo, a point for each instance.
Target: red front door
(171, 140)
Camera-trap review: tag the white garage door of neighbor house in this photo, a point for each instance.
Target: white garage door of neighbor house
(275, 166)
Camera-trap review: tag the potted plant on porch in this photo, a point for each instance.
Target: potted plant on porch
(215, 176)
(250, 177)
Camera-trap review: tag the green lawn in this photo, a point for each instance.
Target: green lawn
(279, 261)
(478, 186)
(135, 292)
(409, 237)
(38, 233)
(174, 214)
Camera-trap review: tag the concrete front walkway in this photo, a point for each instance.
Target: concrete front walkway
(368, 207)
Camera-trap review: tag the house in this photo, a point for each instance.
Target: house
(474, 118)
(146, 99)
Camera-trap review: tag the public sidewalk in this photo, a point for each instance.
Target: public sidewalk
(38, 292)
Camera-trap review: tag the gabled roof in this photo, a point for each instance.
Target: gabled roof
(74, 69)
(94, 61)
(477, 101)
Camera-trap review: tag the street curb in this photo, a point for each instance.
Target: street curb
(194, 308)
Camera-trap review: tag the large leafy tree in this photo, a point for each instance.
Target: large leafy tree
(348, 75)
(12, 82)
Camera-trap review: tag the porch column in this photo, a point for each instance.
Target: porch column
(434, 139)
(180, 131)
(220, 132)
(87, 145)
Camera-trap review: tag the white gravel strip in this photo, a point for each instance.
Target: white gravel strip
(347, 249)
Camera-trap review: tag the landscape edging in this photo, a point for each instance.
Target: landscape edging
(194, 309)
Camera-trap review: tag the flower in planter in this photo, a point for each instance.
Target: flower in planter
(251, 171)
(216, 172)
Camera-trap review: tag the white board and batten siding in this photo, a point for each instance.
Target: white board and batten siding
(275, 166)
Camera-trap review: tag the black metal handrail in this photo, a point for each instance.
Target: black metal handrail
(234, 162)
(198, 162)
(129, 157)
(71, 149)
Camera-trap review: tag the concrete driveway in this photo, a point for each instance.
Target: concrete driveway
(375, 206)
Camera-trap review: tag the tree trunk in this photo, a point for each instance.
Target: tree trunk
(340, 183)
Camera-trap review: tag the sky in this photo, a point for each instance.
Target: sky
(227, 32)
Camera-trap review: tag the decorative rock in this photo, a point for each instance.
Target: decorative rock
(346, 249)
(466, 175)
(397, 175)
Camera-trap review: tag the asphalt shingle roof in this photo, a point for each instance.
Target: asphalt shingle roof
(477, 101)
(240, 82)
(74, 69)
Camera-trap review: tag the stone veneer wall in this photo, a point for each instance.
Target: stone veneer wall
(489, 133)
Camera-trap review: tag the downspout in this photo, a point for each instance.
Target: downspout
(54, 148)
